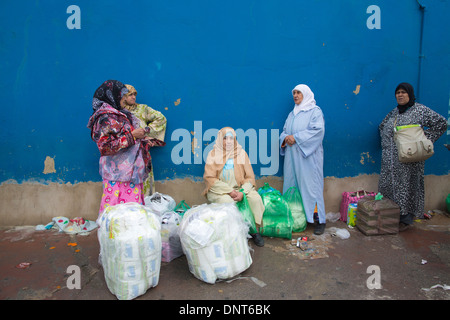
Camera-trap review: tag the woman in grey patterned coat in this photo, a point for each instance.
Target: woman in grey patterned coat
(404, 182)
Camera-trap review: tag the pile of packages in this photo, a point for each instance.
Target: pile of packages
(135, 239)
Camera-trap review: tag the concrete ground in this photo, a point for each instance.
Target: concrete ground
(409, 263)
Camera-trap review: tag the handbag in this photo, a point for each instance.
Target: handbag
(351, 197)
(412, 144)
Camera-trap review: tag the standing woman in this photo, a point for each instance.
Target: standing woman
(301, 146)
(154, 123)
(123, 152)
(403, 183)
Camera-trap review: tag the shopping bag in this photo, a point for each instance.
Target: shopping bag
(267, 188)
(159, 203)
(295, 202)
(277, 217)
(181, 208)
(247, 213)
(351, 197)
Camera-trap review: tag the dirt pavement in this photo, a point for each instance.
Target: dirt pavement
(408, 265)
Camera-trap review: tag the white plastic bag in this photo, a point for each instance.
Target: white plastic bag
(130, 249)
(214, 240)
(160, 203)
(171, 244)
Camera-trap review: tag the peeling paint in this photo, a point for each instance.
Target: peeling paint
(356, 91)
(194, 144)
(368, 158)
(49, 165)
(177, 102)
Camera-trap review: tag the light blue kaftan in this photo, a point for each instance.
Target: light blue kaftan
(303, 162)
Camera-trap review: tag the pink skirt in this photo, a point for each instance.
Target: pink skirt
(115, 192)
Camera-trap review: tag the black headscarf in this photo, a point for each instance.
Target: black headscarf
(412, 98)
(110, 92)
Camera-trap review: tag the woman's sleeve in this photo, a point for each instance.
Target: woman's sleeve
(283, 136)
(435, 123)
(310, 139)
(157, 123)
(111, 135)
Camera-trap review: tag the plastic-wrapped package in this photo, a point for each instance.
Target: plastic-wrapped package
(159, 203)
(214, 240)
(130, 249)
(171, 244)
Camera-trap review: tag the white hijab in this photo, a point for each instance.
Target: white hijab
(308, 101)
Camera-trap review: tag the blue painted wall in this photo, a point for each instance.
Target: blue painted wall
(229, 63)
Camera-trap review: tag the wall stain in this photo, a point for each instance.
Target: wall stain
(49, 165)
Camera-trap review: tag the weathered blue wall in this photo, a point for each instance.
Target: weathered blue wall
(230, 63)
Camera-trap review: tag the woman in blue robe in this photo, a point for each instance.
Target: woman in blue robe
(301, 146)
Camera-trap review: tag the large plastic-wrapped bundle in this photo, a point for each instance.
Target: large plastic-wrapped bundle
(171, 244)
(130, 249)
(214, 240)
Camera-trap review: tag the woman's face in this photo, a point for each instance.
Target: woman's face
(402, 96)
(298, 97)
(228, 142)
(129, 99)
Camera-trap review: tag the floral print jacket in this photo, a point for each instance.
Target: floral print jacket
(122, 157)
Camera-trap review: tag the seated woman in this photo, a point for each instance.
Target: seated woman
(228, 170)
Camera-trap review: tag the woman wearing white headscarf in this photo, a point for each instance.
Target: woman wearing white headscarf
(301, 146)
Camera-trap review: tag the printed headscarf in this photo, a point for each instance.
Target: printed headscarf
(412, 98)
(308, 101)
(131, 89)
(110, 92)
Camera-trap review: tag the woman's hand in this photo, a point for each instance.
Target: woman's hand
(138, 133)
(290, 140)
(236, 195)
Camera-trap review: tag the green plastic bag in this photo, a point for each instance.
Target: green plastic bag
(277, 217)
(247, 213)
(181, 208)
(448, 203)
(295, 202)
(267, 188)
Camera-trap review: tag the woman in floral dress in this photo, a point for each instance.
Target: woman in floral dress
(124, 155)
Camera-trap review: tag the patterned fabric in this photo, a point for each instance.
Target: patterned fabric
(403, 183)
(110, 92)
(156, 122)
(122, 158)
(115, 192)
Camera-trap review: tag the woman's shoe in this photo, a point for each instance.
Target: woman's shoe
(319, 228)
(258, 239)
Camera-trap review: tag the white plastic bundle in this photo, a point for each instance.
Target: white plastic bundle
(214, 240)
(130, 249)
(171, 245)
(159, 203)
